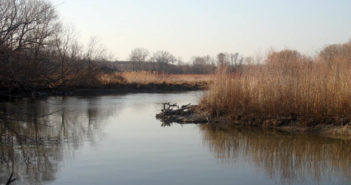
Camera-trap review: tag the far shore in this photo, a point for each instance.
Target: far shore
(106, 90)
(138, 88)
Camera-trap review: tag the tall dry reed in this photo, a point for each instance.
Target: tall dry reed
(287, 84)
(145, 77)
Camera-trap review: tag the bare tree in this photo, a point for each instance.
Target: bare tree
(93, 54)
(95, 51)
(138, 55)
(229, 61)
(334, 53)
(222, 59)
(204, 64)
(27, 28)
(163, 58)
(27, 23)
(234, 59)
(67, 50)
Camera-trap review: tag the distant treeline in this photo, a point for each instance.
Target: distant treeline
(128, 66)
(165, 62)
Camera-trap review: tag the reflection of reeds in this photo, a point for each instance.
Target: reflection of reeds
(288, 84)
(288, 157)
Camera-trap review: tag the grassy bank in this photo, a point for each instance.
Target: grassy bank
(144, 78)
(145, 81)
(288, 89)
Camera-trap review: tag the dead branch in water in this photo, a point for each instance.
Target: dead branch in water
(181, 114)
(168, 107)
(11, 179)
(174, 109)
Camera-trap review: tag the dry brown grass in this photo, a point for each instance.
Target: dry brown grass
(144, 78)
(288, 84)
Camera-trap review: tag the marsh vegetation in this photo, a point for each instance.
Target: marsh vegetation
(287, 88)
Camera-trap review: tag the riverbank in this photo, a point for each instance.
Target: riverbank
(331, 127)
(106, 90)
(287, 91)
(140, 88)
(115, 83)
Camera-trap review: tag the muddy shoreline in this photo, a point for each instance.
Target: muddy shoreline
(192, 114)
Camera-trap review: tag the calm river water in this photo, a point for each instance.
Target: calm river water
(117, 140)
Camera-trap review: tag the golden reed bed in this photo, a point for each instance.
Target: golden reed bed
(287, 86)
(145, 78)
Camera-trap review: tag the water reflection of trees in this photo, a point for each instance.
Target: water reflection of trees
(288, 157)
(35, 135)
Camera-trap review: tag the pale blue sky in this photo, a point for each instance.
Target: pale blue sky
(198, 27)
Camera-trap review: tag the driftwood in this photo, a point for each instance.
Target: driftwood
(172, 113)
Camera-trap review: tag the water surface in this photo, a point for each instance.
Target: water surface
(117, 140)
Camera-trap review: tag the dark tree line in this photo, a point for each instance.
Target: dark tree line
(38, 52)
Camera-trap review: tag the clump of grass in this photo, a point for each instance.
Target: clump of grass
(142, 77)
(287, 84)
(112, 79)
